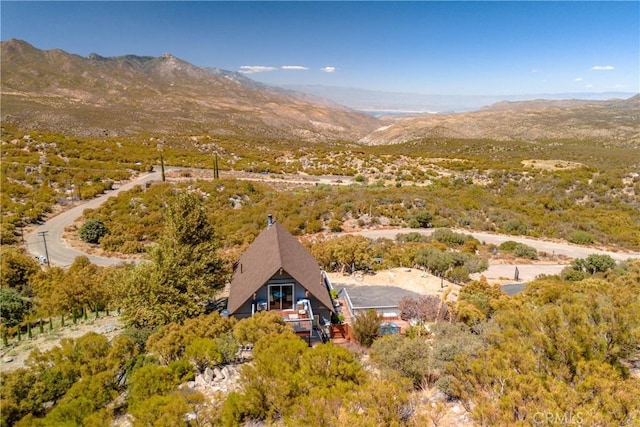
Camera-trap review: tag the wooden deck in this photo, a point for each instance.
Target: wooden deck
(292, 315)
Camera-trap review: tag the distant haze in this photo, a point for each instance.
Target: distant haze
(429, 47)
(382, 103)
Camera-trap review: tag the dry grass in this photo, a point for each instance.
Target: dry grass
(410, 279)
(551, 165)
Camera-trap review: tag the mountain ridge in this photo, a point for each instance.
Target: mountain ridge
(135, 94)
(612, 121)
(111, 96)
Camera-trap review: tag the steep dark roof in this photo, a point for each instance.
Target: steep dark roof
(273, 249)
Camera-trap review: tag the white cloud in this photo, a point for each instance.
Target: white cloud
(534, 71)
(329, 69)
(252, 69)
(294, 67)
(602, 67)
(589, 86)
(577, 79)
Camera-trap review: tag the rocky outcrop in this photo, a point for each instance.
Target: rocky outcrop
(223, 379)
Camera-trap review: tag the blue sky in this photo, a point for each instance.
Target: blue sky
(465, 48)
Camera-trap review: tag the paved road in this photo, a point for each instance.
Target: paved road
(526, 272)
(557, 248)
(62, 255)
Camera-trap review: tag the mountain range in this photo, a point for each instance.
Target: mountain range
(126, 95)
(380, 103)
(131, 94)
(607, 121)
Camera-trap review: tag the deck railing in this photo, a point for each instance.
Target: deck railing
(350, 307)
(301, 318)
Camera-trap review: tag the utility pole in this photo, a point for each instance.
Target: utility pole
(160, 148)
(43, 234)
(162, 167)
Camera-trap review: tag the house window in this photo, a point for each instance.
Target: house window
(280, 297)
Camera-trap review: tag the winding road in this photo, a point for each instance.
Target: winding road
(59, 253)
(526, 272)
(62, 255)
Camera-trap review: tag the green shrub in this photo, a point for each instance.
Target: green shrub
(251, 329)
(17, 269)
(594, 263)
(7, 233)
(450, 341)
(182, 370)
(411, 237)
(92, 230)
(151, 380)
(580, 237)
(458, 274)
(313, 226)
(203, 352)
(450, 238)
(477, 301)
(524, 251)
(335, 226)
(366, 327)
(421, 219)
(441, 222)
(410, 357)
(519, 250)
(113, 242)
(13, 307)
(132, 247)
(572, 275)
(515, 226)
(508, 246)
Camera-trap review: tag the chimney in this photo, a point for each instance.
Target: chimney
(269, 220)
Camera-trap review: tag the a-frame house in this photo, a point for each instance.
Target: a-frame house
(277, 273)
